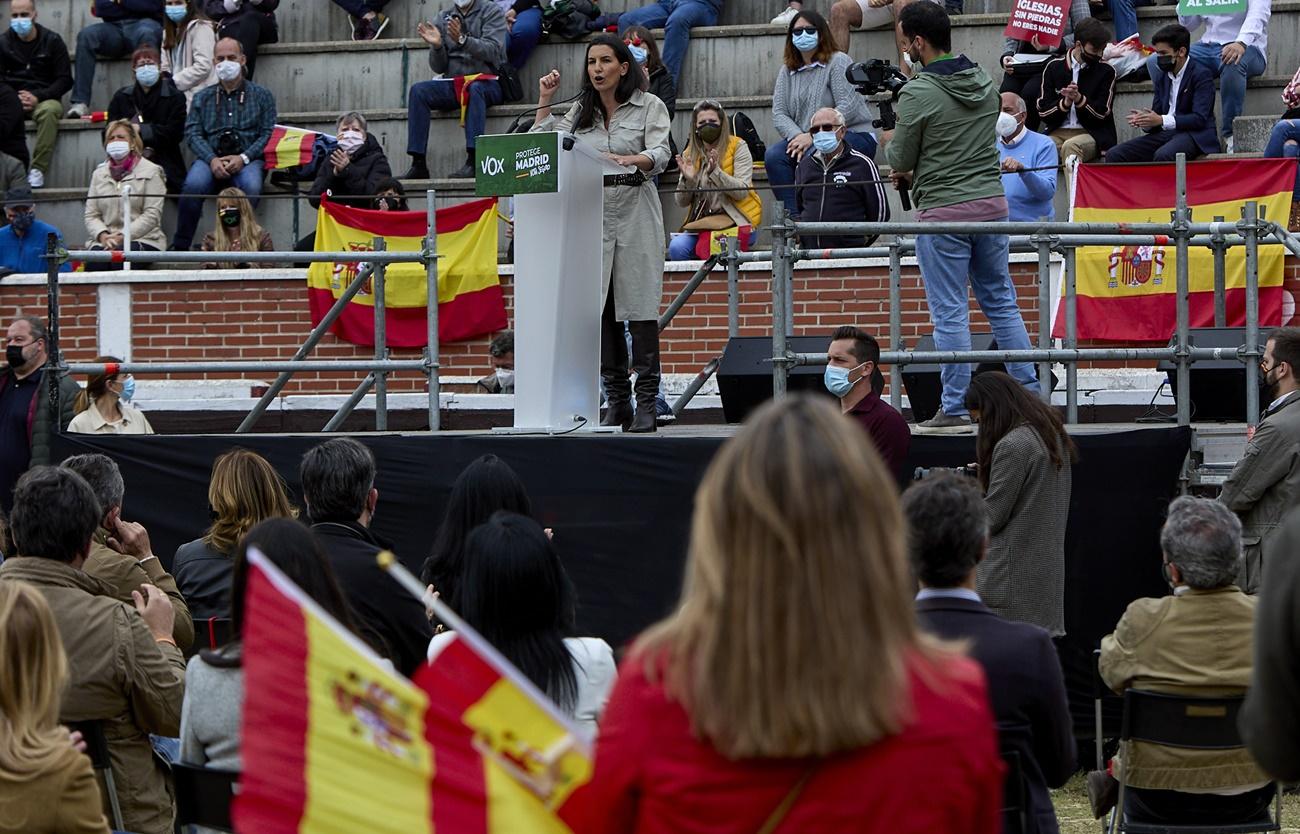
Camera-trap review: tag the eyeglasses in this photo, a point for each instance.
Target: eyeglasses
(804, 30)
(823, 128)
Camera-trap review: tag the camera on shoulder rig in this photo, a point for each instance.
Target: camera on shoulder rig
(880, 82)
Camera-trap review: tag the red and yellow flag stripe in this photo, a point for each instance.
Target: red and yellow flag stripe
(289, 146)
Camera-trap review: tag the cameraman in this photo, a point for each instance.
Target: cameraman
(943, 146)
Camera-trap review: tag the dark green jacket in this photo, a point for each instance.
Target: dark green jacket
(40, 429)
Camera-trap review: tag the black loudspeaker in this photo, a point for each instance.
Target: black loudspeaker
(745, 375)
(922, 384)
(1218, 386)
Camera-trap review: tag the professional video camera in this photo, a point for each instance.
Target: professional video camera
(879, 82)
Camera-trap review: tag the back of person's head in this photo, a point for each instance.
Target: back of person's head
(486, 486)
(55, 513)
(1175, 35)
(1202, 538)
(1004, 404)
(96, 384)
(34, 670)
(928, 21)
(104, 477)
(245, 489)
(514, 591)
(865, 349)
(947, 528)
(1092, 32)
(502, 343)
(796, 621)
(337, 477)
(1286, 347)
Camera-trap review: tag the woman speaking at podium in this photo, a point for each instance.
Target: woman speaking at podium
(630, 127)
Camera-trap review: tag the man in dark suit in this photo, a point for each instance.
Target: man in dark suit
(947, 535)
(1181, 118)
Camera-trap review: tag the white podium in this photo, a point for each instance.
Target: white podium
(558, 186)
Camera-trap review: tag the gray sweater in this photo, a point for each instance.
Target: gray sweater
(484, 27)
(800, 94)
(210, 717)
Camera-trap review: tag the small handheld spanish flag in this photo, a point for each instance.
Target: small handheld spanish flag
(289, 146)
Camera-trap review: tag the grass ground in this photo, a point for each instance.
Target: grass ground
(1075, 817)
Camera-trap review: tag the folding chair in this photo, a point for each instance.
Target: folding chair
(218, 632)
(203, 796)
(97, 749)
(1015, 796)
(1189, 722)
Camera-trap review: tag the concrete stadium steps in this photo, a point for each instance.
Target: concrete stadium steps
(1250, 133)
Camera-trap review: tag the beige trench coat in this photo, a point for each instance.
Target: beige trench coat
(104, 204)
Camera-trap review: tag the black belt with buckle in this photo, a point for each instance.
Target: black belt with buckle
(612, 180)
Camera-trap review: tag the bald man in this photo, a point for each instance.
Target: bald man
(1028, 164)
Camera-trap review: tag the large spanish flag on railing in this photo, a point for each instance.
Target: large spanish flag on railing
(1127, 293)
(470, 301)
(336, 742)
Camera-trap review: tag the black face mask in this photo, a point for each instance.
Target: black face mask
(14, 356)
(1089, 58)
(709, 132)
(1165, 63)
(229, 217)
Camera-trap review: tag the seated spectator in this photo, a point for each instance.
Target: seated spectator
(34, 61)
(13, 134)
(717, 182)
(838, 718)
(467, 39)
(104, 407)
(1023, 61)
(214, 679)
(189, 41)
(501, 353)
(1181, 118)
(529, 21)
(125, 167)
(1078, 94)
(947, 537)
(227, 129)
(47, 786)
(677, 18)
(1161, 645)
(854, 357)
(366, 16)
(837, 182)
(244, 491)
(1233, 48)
(515, 593)
(23, 241)
(640, 41)
(120, 552)
(338, 487)
(13, 174)
(812, 78)
(874, 14)
(237, 230)
(126, 669)
(1284, 141)
(157, 109)
(251, 22)
(355, 168)
(1028, 164)
(122, 29)
(389, 196)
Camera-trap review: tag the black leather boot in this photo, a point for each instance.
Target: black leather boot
(614, 369)
(645, 363)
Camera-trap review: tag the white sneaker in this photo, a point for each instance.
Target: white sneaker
(1227, 144)
(77, 110)
(35, 178)
(784, 18)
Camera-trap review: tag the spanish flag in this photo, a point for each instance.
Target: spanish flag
(1128, 293)
(335, 742)
(463, 83)
(289, 146)
(470, 301)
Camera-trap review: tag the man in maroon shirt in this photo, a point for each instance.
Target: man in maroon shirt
(853, 375)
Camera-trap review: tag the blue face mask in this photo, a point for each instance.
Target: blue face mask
(147, 74)
(22, 26)
(805, 41)
(176, 13)
(837, 379)
(638, 52)
(825, 141)
(22, 221)
(128, 389)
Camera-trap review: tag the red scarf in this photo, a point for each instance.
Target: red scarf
(117, 170)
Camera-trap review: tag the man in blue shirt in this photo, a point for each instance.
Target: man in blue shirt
(22, 242)
(1028, 164)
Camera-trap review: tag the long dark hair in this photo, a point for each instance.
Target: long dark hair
(514, 592)
(484, 487)
(1005, 404)
(825, 40)
(630, 82)
(96, 385)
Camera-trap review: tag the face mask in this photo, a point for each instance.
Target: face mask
(837, 379)
(23, 221)
(908, 60)
(228, 70)
(709, 132)
(14, 356)
(147, 74)
(22, 26)
(505, 377)
(639, 54)
(825, 141)
(386, 204)
(229, 216)
(118, 150)
(350, 140)
(176, 13)
(1007, 125)
(805, 41)
(464, 4)
(128, 389)
(1089, 58)
(1165, 63)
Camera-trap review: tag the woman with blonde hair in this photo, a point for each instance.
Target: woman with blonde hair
(717, 182)
(245, 490)
(237, 231)
(46, 785)
(792, 688)
(124, 167)
(104, 405)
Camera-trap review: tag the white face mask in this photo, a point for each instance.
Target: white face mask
(228, 70)
(464, 4)
(1007, 125)
(118, 150)
(506, 377)
(350, 140)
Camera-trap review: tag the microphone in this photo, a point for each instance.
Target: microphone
(514, 126)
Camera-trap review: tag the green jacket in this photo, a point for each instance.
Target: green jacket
(951, 111)
(40, 429)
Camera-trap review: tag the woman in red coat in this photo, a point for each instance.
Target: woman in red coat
(791, 691)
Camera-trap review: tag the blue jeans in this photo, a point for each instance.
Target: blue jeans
(524, 37)
(681, 247)
(1232, 77)
(115, 39)
(441, 95)
(1284, 142)
(360, 8)
(949, 263)
(1124, 14)
(781, 166)
(200, 181)
(676, 18)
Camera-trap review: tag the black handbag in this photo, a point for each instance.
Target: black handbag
(512, 89)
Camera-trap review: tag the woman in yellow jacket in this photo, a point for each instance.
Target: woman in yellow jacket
(717, 182)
